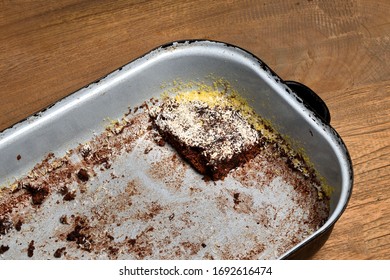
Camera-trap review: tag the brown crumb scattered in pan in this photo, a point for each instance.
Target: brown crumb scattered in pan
(64, 220)
(236, 199)
(59, 252)
(83, 175)
(38, 193)
(110, 237)
(113, 250)
(147, 150)
(18, 225)
(70, 196)
(3, 249)
(5, 225)
(79, 233)
(30, 249)
(67, 194)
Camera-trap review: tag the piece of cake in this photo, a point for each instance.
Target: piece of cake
(213, 137)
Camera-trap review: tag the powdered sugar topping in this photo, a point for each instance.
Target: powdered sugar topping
(219, 131)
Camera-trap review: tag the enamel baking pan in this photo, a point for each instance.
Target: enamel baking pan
(33, 230)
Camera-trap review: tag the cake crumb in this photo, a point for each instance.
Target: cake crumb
(5, 225)
(38, 193)
(30, 249)
(58, 253)
(83, 175)
(64, 220)
(18, 225)
(70, 196)
(3, 249)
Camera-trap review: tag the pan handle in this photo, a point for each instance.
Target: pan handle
(310, 99)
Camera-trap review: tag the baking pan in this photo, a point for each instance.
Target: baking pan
(136, 200)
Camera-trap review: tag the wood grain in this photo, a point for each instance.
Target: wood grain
(341, 49)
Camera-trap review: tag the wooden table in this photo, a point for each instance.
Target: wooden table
(341, 49)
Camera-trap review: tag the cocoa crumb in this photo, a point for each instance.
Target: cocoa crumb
(18, 225)
(132, 242)
(78, 235)
(110, 237)
(113, 250)
(147, 150)
(38, 193)
(83, 175)
(18, 157)
(64, 220)
(30, 249)
(236, 198)
(58, 253)
(144, 106)
(3, 249)
(5, 225)
(67, 195)
(70, 196)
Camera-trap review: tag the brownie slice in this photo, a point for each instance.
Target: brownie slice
(213, 139)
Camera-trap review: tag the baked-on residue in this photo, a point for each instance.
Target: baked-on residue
(126, 195)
